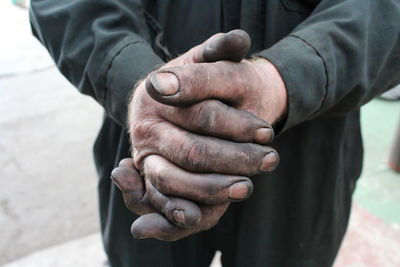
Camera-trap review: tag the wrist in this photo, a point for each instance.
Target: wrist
(273, 91)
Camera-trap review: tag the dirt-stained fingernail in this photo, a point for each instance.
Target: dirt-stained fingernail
(179, 216)
(239, 191)
(165, 83)
(264, 135)
(269, 162)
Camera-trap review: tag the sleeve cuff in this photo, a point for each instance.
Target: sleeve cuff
(304, 74)
(130, 61)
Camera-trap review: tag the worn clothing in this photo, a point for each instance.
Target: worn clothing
(334, 56)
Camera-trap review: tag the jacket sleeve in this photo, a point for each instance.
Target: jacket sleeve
(344, 54)
(101, 47)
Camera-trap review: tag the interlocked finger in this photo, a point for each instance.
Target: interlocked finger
(132, 187)
(154, 225)
(179, 211)
(214, 118)
(201, 188)
(198, 153)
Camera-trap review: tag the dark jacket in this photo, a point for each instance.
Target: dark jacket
(334, 56)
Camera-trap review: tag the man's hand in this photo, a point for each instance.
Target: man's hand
(152, 224)
(159, 146)
(153, 125)
(251, 85)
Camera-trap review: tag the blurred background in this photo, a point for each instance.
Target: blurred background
(48, 201)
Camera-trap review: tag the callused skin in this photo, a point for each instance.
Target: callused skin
(199, 136)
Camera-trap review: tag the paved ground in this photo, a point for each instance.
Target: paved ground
(83, 252)
(48, 208)
(48, 181)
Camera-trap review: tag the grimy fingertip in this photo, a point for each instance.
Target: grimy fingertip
(163, 87)
(270, 162)
(232, 46)
(264, 136)
(165, 83)
(240, 191)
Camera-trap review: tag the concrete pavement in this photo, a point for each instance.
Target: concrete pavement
(83, 252)
(48, 181)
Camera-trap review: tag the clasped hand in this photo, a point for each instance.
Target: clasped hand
(200, 127)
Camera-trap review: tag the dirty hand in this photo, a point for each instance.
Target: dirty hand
(158, 146)
(156, 221)
(249, 85)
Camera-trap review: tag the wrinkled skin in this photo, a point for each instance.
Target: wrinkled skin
(152, 224)
(197, 147)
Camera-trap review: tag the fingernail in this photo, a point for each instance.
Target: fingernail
(264, 135)
(165, 83)
(269, 162)
(239, 191)
(179, 216)
(115, 180)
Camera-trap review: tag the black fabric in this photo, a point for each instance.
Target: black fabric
(230, 14)
(334, 56)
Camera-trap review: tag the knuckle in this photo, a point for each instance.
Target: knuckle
(206, 115)
(212, 189)
(144, 130)
(196, 156)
